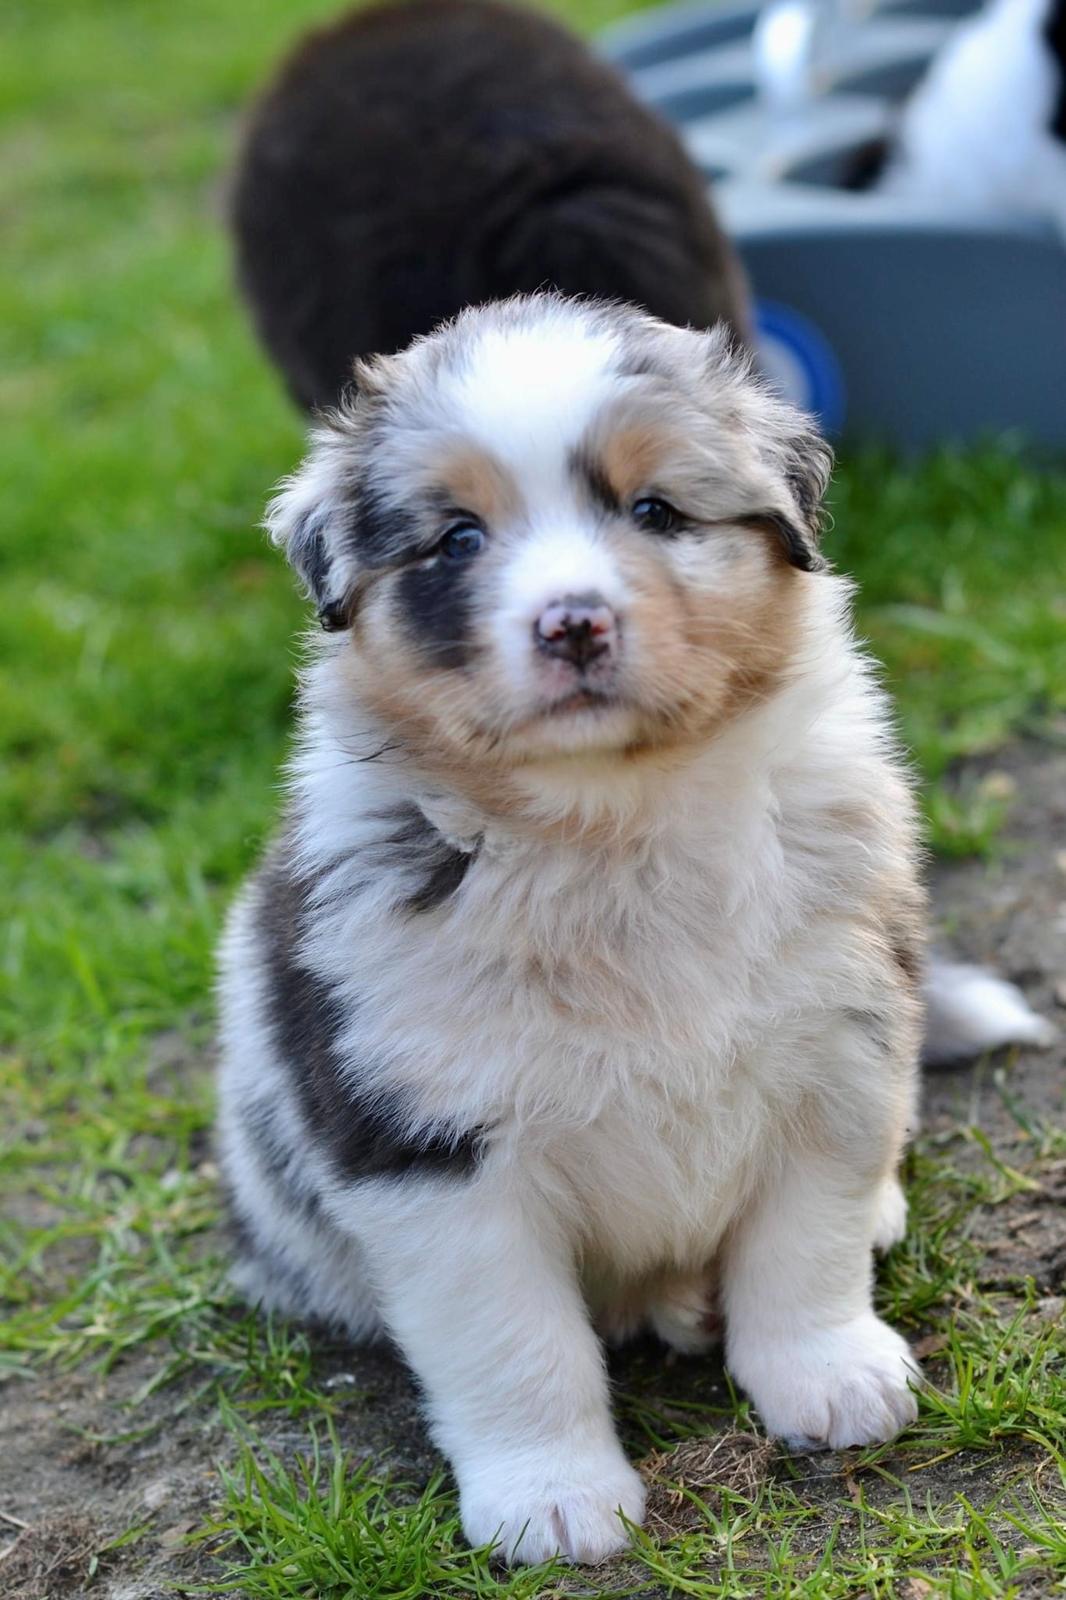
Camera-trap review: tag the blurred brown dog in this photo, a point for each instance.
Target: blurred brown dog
(415, 159)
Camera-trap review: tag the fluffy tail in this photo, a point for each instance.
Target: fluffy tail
(970, 1011)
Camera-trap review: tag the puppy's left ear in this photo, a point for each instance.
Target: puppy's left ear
(807, 460)
(794, 462)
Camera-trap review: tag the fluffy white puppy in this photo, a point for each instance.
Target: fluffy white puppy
(580, 989)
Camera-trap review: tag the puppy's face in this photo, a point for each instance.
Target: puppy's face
(553, 528)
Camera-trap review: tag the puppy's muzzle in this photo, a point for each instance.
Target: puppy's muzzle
(579, 628)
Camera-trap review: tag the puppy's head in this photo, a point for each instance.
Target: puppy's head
(555, 527)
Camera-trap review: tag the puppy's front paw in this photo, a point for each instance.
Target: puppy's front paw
(833, 1387)
(551, 1503)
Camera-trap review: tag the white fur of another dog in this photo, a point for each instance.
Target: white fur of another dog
(976, 134)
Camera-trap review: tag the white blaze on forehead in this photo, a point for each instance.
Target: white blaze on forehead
(529, 393)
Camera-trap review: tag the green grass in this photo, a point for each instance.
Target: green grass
(147, 648)
(328, 1527)
(325, 1528)
(962, 568)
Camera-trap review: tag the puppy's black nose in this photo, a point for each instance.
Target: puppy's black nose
(577, 628)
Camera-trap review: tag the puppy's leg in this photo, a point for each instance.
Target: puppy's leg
(479, 1288)
(680, 1308)
(801, 1334)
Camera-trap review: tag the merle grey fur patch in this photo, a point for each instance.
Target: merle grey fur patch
(308, 552)
(877, 1028)
(380, 534)
(365, 1136)
(435, 870)
(278, 1158)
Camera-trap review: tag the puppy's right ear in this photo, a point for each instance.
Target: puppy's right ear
(314, 513)
(307, 518)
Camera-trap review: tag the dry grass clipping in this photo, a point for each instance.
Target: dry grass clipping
(698, 1469)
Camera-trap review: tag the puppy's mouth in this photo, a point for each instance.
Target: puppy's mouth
(583, 698)
(584, 711)
(562, 689)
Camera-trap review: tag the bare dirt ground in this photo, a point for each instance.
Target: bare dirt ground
(63, 1496)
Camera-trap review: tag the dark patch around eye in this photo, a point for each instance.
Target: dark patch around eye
(435, 598)
(595, 482)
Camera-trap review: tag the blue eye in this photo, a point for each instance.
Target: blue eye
(656, 516)
(462, 541)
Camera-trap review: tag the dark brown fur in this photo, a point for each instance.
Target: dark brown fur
(417, 158)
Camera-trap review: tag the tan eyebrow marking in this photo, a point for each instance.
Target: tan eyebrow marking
(631, 457)
(472, 480)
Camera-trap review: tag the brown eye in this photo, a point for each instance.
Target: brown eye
(462, 540)
(655, 516)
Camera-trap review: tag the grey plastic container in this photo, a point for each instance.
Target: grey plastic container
(892, 322)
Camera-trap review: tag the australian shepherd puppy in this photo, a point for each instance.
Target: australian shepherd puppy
(413, 159)
(578, 992)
